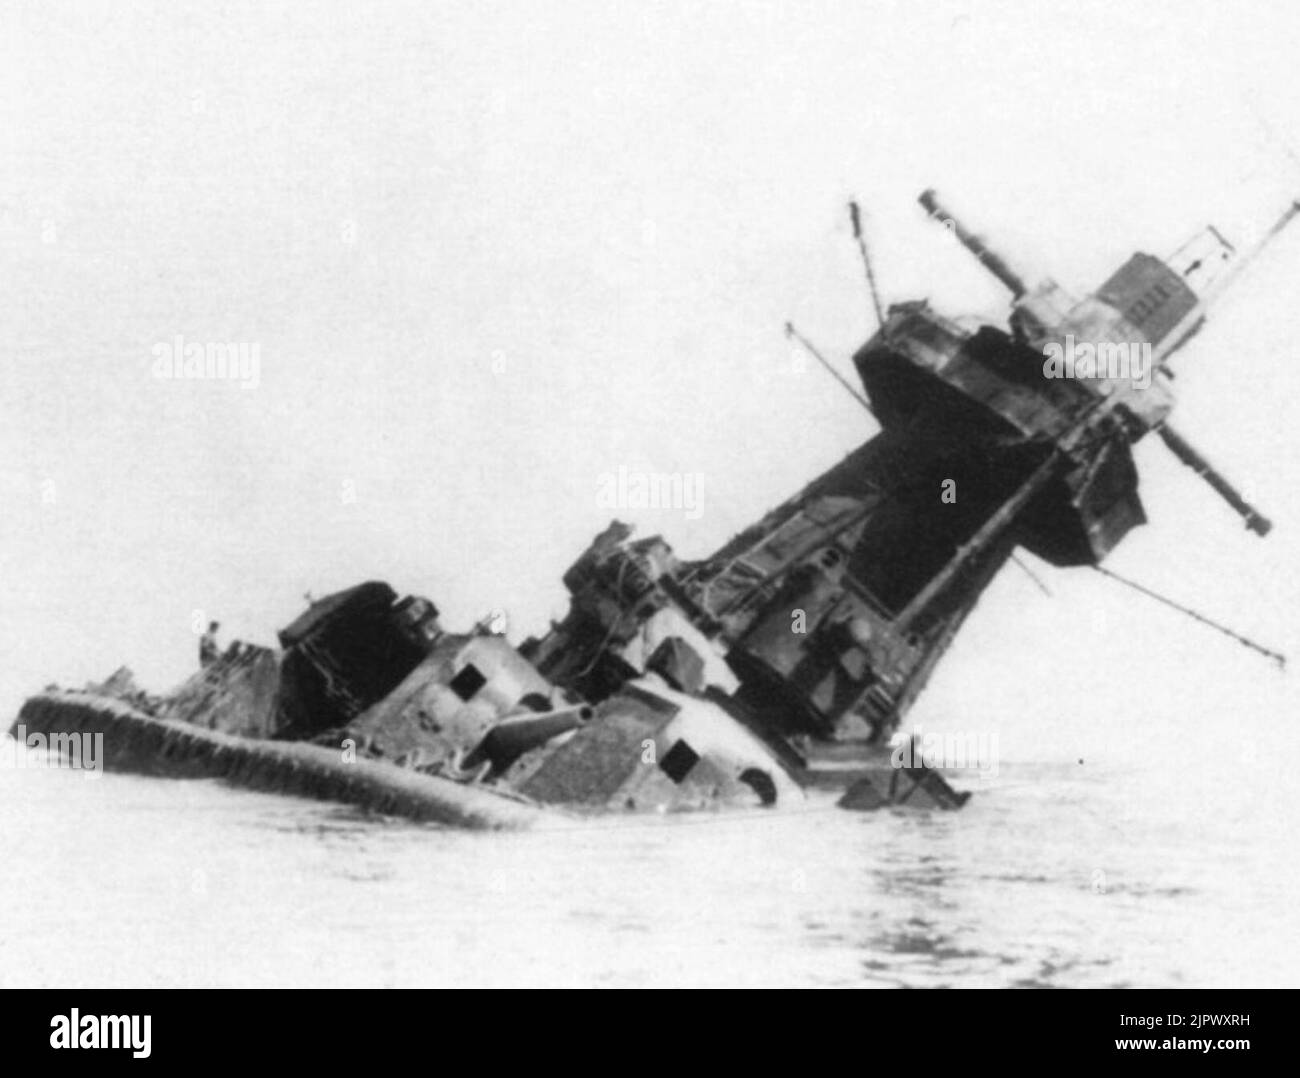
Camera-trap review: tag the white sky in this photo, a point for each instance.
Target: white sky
(579, 230)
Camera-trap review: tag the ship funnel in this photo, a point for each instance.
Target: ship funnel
(991, 260)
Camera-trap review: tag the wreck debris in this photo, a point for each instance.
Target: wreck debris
(782, 663)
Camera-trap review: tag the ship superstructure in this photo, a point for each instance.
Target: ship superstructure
(788, 658)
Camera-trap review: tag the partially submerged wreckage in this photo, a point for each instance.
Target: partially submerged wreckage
(783, 662)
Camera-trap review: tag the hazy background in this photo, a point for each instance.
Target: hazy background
(491, 251)
(574, 238)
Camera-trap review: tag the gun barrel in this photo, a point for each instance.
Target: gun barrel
(1255, 520)
(990, 259)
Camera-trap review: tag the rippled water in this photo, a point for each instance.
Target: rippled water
(1071, 875)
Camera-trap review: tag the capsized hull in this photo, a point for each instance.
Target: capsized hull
(138, 743)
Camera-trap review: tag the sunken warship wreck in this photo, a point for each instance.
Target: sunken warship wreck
(783, 663)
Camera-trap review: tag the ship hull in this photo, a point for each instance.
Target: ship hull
(136, 743)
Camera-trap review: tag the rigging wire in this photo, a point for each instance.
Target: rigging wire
(795, 335)
(1275, 656)
(1032, 576)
